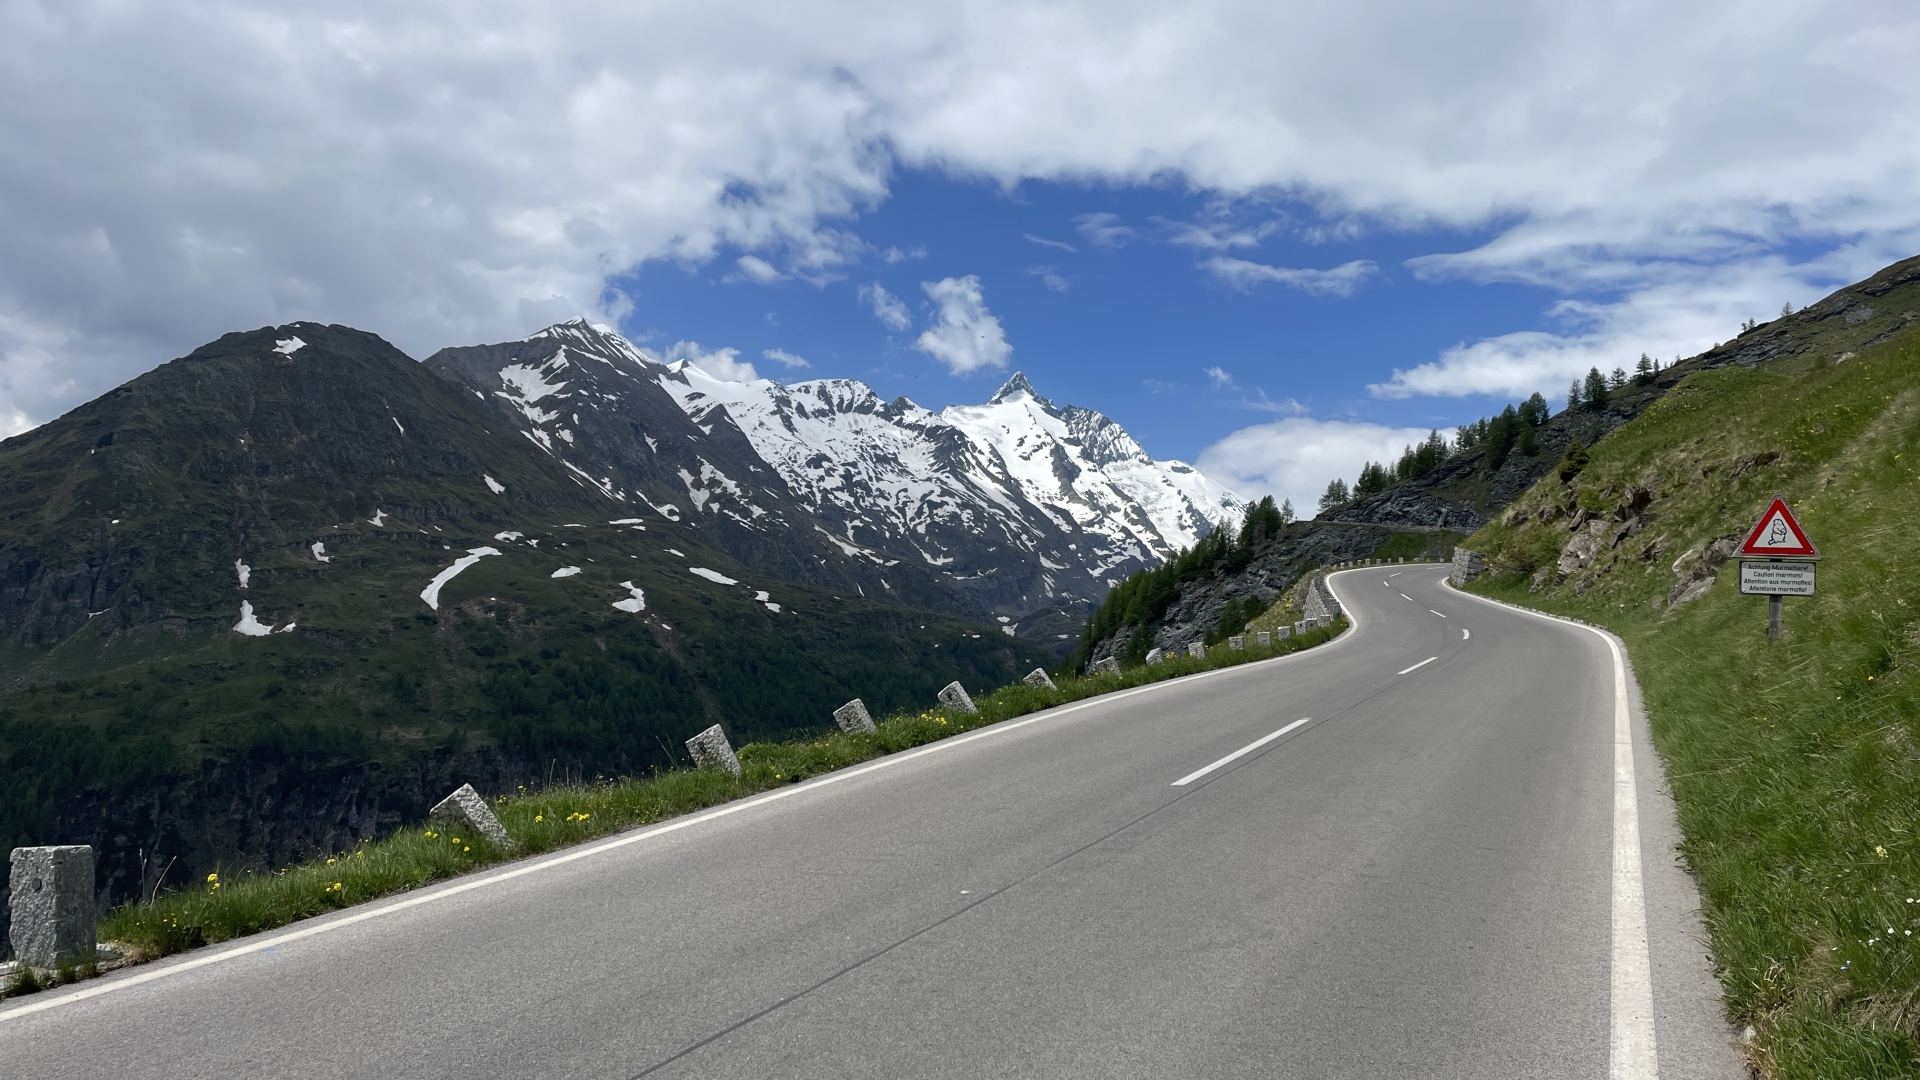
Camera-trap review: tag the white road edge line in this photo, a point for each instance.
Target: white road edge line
(431, 894)
(1242, 752)
(1439, 613)
(1418, 666)
(1633, 1053)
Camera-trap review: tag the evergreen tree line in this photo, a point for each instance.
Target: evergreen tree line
(1143, 598)
(1511, 429)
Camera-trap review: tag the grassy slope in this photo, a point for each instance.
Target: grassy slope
(248, 902)
(1796, 765)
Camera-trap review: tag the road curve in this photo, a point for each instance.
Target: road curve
(1416, 881)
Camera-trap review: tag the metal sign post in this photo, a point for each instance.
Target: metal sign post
(1787, 569)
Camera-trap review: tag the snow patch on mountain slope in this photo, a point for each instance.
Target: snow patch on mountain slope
(431, 594)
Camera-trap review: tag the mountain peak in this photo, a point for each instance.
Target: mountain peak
(1016, 386)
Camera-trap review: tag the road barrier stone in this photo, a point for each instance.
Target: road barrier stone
(954, 696)
(854, 719)
(1039, 679)
(52, 899)
(711, 750)
(465, 811)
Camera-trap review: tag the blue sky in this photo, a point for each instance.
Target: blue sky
(1369, 219)
(1129, 326)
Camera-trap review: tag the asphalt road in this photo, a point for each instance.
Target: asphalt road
(1416, 882)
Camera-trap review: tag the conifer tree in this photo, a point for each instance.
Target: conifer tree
(1643, 372)
(1574, 399)
(1595, 391)
(1335, 495)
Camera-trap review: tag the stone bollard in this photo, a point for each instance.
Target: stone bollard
(465, 811)
(711, 750)
(1197, 650)
(954, 696)
(1236, 642)
(1156, 654)
(1265, 638)
(854, 719)
(1039, 679)
(1107, 666)
(1282, 633)
(53, 905)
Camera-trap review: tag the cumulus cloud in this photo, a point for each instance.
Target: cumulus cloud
(1293, 458)
(1219, 375)
(1672, 308)
(439, 172)
(886, 306)
(782, 356)
(758, 270)
(1342, 280)
(720, 363)
(965, 336)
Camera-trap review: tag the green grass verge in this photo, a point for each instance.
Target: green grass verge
(556, 817)
(1795, 764)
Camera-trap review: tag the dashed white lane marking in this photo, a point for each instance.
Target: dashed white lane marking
(1242, 752)
(1418, 666)
(1465, 634)
(1441, 614)
(1404, 596)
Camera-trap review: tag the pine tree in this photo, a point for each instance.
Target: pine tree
(1335, 495)
(1286, 513)
(1573, 396)
(1643, 372)
(1595, 390)
(1534, 410)
(1786, 309)
(1617, 380)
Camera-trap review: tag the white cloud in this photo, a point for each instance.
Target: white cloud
(1219, 376)
(757, 270)
(1105, 230)
(1044, 242)
(1671, 308)
(1050, 278)
(895, 255)
(1342, 280)
(1293, 458)
(782, 356)
(439, 172)
(965, 336)
(719, 363)
(886, 306)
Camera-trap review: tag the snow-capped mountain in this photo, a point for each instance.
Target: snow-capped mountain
(593, 402)
(1027, 509)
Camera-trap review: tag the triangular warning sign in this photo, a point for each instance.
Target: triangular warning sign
(1778, 535)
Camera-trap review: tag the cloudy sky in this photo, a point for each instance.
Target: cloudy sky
(1272, 238)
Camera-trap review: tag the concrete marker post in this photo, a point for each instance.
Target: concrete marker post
(954, 696)
(711, 750)
(465, 811)
(52, 900)
(854, 719)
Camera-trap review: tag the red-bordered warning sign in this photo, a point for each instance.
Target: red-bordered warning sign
(1778, 536)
